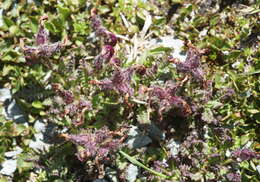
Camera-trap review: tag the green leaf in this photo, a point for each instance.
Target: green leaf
(214, 21)
(234, 54)
(7, 69)
(50, 26)
(137, 163)
(144, 117)
(253, 111)
(23, 165)
(251, 73)
(103, 9)
(8, 22)
(58, 24)
(244, 139)
(37, 104)
(219, 44)
(19, 129)
(7, 4)
(214, 104)
(160, 50)
(80, 27)
(219, 80)
(10, 55)
(64, 12)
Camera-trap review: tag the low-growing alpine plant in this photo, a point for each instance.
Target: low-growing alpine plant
(118, 109)
(43, 49)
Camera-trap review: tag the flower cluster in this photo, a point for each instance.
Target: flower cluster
(223, 134)
(234, 177)
(76, 108)
(99, 143)
(110, 41)
(67, 95)
(227, 94)
(167, 100)
(245, 154)
(144, 71)
(43, 48)
(68, 105)
(120, 81)
(192, 63)
(110, 38)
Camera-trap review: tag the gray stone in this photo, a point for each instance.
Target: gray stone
(136, 139)
(13, 112)
(139, 141)
(131, 173)
(38, 143)
(14, 153)
(155, 133)
(176, 44)
(5, 94)
(133, 131)
(258, 169)
(39, 126)
(173, 146)
(8, 167)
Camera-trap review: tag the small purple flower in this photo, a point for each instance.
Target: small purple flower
(48, 50)
(103, 152)
(159, 165)
(43, 48)
(105, 55)
(115, 61)
(197, 74)
(99, 143)
(159, 92)
(185, 170)
(120, 81)
(54, 111)
(166, 100)
(98, 62)
(245, 154)
(106, 84)
(33, 55)
(192, 63)
(96, 23)
(84, 104)
(72, 109)
(110, 41)
(144, 71)
(107, 52)
(223, 134)
(110, 38)
(42, 37)
(152, 70)
(67, 96)
(215, 155)
(234, 177)
(228, 93)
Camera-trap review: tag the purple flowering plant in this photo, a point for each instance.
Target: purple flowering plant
(43, 48)
(81, 102)
(115, 96)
